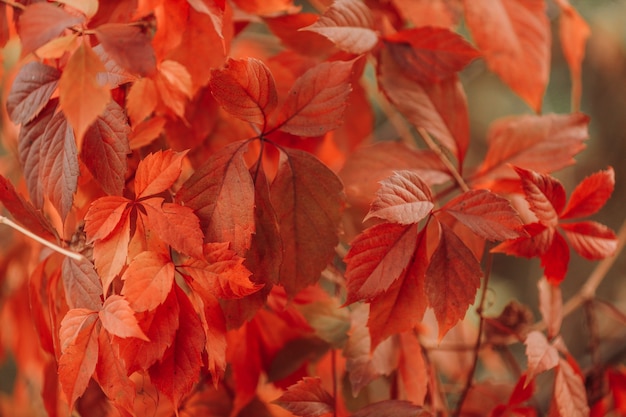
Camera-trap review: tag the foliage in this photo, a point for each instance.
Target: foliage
(212, 226)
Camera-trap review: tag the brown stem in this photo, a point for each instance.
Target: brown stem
(479, 311)
(444, 158)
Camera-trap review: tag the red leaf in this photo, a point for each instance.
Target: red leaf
(221, 193)
(515, 39)
(287, 29)
(30, 143)
(106, 149)
(246, 89)
(349, 25)
(157, 172)
(110, 253)
(148, 280)
(523, 390)
(430, 54)
(129, 46)
(222, 274)
(58, 169)
(544, 143)
(141, 100)
(412, 369)
(42, 22)
(573, 34)
(440, 107)
(82, 284)
(307, 398)
(486, 214)
(541, 355)
(176, 225)
(214, 325)
(119, 319)
(316, 102)
(79, 351)
(104, 216)
(30, 91)
(545, 195)
(570, 394)
(403, 198)
(539, 240)
(555, 260)
(178, 370)
(377, 258)
(590, 239)
(393, 408)
(112, 376)
(439, 13)
(401, 307)
(307, 198)
(452, 279)
(551, 306)
(81, 97)
(23, 211)
(174, 84)
(590, 195)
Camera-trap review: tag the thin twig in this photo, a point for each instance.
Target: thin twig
(443, 157)
(70, 254)
(479, 311)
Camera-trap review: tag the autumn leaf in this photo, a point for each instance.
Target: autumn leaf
(451, 286)
(129, 46)
(141, 100)
(174, 84)
(316, 101)
(177, 371)
(307, 398)
(394, 408)
(214, 9)
(514, 37)
(79, 351)
(551, 306)
(246, 89)
(570, 394)
(403, 198)
(307, 198)
(429, 54)
(486, 214)
(148, 280)
(81, 98)
(349, 24)
(31, 90)
(542, 356)
(104, 216)
(439, 107)
(119, 319)
(590, 195)
(42, 22)
(112, 376)
(221, 193)
(412, 369)
(157, 172)
(82, 284)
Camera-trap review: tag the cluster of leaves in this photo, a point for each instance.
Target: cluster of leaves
(206, 193)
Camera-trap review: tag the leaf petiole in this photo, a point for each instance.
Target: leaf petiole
(68, 253)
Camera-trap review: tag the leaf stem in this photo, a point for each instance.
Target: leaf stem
(444, 159)
(479, 311)
(70, 254)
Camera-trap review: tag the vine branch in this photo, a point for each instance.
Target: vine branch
(444, 158)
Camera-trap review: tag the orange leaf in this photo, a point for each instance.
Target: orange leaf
(452, 279)
(214, 325)
(32, 88)
(316, 102)
(541, 355)
(307, 398)
(221, 193)
(430, 54)
(551, 306)
(157, 172)
(267, 7)
(129, 46)
(111, 252)
(112, 376)
(590, 195)
(82, 284)
(412, 369)
(119, 319)
(178, 370)
(104, 216)
(87, 7)
(222, 274)
(81, 97)
(79, 351)
(148, 280)
(394, 408)
(307, 198)
(514, 36)
(214, 9)
(438, 13)
(42, 22)
(377, 258)
(174, 85)
(349, 24)
(440, 108)
(403, 198)
(246, 89)
(106, 149)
